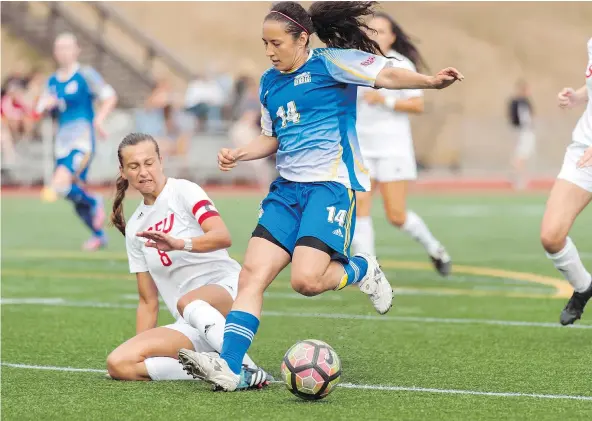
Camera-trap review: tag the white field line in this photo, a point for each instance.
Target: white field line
(52, 368)
(60, 302)
(355, 386)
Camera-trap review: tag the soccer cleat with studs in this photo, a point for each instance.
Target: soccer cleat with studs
(442, 262)
(211, 368)
(376, 286)
(575, 307)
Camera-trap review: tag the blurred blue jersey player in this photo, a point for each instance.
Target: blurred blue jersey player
(72, 90)
(309, 118)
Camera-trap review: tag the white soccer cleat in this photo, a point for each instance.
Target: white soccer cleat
(376, 286)
(210, 367)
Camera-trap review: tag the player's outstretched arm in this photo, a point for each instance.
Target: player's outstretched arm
(147, 312)
(398, 78)
(413, 105)
(262, 147)
(216, 237)
(569, 98)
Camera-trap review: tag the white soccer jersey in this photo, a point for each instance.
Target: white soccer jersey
(179, 210)
(382, 131)
(583, 131)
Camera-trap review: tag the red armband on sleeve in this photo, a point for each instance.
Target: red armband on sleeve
(203, 210)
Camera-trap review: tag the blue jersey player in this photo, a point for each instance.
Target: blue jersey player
(71, 90)
(309, 119)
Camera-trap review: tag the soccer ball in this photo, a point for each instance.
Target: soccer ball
(311, 369)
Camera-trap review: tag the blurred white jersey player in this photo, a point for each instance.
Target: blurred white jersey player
(571, 193)
(522, 120)
(386, 143)
(176, 245)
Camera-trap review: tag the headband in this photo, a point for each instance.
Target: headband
(289, 18)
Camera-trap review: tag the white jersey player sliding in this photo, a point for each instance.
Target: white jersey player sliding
(571, 193)
(386, 144)
(176, 244)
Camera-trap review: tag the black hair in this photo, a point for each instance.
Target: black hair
(121, 184)
(403, 44)
(339, 24)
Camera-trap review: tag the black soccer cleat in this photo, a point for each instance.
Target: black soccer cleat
(442, 262)
(575, 307)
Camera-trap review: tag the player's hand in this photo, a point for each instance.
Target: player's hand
(50, 102)
(566, 98)
(586, 159)
(226, 159)
(161, 241)
(373, 97)
(98, 125)
(445, 78)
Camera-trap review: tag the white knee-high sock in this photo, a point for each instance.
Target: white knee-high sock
(166, 368)
(419, 231)
(210, 324)
(568, 262)
(363, 241)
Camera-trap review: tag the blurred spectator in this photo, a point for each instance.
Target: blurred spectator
(35, 86)
(247, 128)
(18, 74)
(163, 119)
(520, 113)
(204, 99)
(14, 112)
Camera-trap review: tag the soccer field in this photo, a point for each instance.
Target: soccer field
(483, 344)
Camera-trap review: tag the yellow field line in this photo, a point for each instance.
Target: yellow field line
(562, 288)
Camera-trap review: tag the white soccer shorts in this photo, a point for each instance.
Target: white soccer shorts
(392, 168)
(581, 177)
(199, 343)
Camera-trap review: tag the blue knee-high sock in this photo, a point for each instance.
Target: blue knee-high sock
(355, 270)
(84, 205)
(238, 334)
(78, 195)
(85, 213)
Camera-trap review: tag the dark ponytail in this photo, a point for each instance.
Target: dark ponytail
(117, 216)
(403, 44)
(339, 24)
(121, 184)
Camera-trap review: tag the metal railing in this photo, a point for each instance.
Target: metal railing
(101, 30)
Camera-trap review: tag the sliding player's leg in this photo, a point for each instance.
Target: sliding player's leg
(152, 355)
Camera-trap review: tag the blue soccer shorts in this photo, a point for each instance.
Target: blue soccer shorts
(324, 210)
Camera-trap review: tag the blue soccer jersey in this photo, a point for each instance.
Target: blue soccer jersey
(312, 112)
(75, 108)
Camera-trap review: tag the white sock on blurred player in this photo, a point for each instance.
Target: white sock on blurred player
(166, 368)
(419, 231)
(210, 323)
(363, 241)
(568, 262)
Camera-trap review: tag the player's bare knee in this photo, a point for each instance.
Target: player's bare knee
(114, 366)
(119, 367)
(308, 286)
(552, 239)
(253, 279)
(397, 217)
